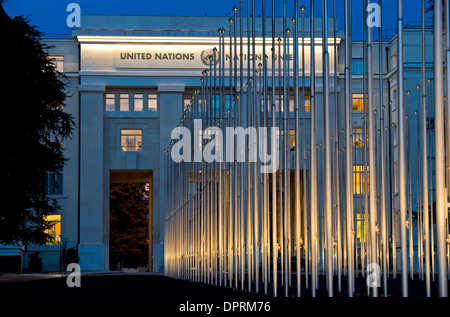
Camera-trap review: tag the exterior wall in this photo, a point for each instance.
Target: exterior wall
(95, 150)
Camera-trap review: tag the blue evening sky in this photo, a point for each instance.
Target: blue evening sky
(50, 15)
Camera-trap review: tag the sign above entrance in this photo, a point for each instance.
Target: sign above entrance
(120, 56)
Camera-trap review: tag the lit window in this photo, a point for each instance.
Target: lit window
(359, 180)
(55, 182)
(291, 103)
(358, 137)
(55, 229)
(308, 103)
(131, 140)
(138, 102)
(152, 102)
(357, 66)
(186, 102)
(110, 102)
(360, 227)
(124, 102)
(358, 102)
(58, 62)
(291, 138)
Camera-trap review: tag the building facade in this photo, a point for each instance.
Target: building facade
(129, 79)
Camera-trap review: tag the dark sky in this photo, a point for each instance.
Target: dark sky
(50, 15)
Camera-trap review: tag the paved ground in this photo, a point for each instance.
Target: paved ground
(156, 290)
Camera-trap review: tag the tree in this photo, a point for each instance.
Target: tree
(129, 226)
(33, 128)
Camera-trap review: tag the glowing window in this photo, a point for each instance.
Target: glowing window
(55, 228)
(308, 103)
(131, 140)
(124, 102)
(358, 102)
(358, 138)
(152, 102)
(110, 102)
(138, 102)
(359, 180)
(360, 227)
(58, 62)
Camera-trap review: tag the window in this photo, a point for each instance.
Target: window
(58, 62)
(357, 66)
(358, 102)
(359, 180)
(360, 227)
(55, 182)
(138, 102)
(358, 138)
(55, 229)
(124, 102)
(110, 102)
(291, 103)
(308, 103)
(152, 102)
(291, 138)
(131, 140)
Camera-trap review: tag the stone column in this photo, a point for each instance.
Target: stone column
(91, 249)
(170, 109)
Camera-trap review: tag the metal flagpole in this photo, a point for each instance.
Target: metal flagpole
(441, 198)
(349, 147)
(426, 217)
(305, 202)
(401, 151)
(372, 158)
(274, 174)
(313, 185)
(327, 154)
(285, 138)
(384, 236)
(297, 152)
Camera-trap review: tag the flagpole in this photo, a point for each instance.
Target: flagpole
(426, 217)
(349, 147)
(441, 198)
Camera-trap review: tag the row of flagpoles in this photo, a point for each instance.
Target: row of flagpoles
(228, 224)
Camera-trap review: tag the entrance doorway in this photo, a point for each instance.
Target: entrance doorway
(131, 220)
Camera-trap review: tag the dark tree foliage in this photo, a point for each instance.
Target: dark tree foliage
(33, 127)
(129, 223)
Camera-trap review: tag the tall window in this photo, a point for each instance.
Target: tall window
(280, 105)
(360, 227)
(110, 102)
(358, 102)
(357, 66)
(358, 137)
(152, 102)
(55, 182)
(55, 228)
(138, 102)
(308, 103)
(124, 102)
(291, 138)
(359, 179)
(131, 140)
(58, 62)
